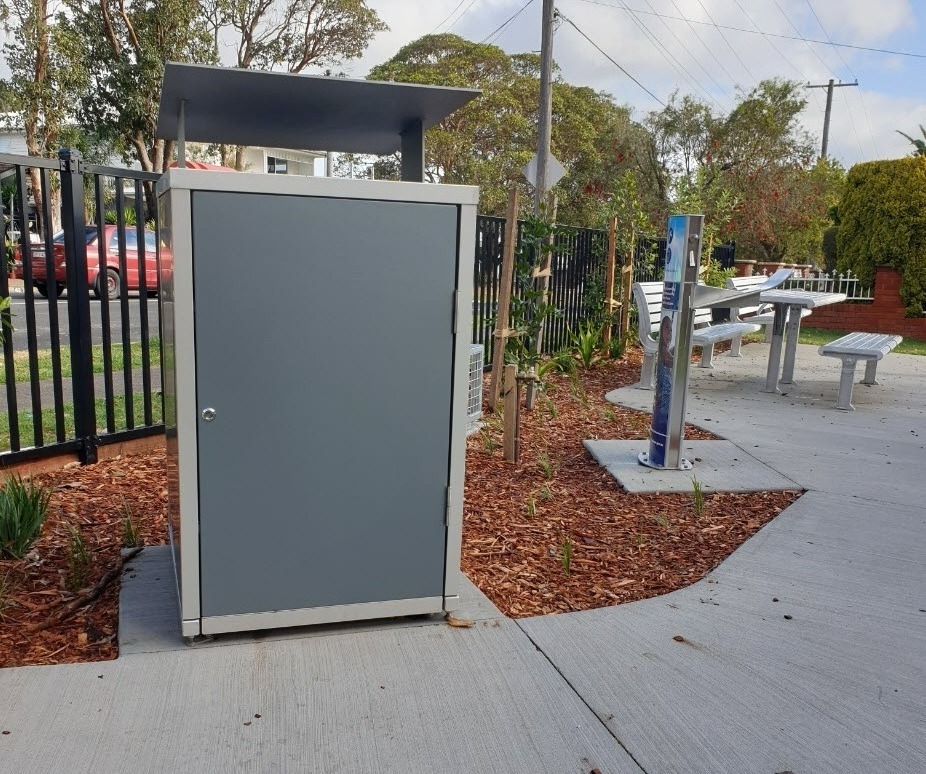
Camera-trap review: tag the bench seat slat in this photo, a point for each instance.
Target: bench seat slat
(851, 348)
(648, 299)
(722, 332)
(861, 345)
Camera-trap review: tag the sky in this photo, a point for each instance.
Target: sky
(708, 61)
(713, 49)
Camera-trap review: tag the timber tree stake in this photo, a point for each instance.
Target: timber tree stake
(502, 317)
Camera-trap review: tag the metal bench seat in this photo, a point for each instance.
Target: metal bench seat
(648, 299)
(851, 348)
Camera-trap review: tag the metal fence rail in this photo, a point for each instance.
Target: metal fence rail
(578, 266)
(60, 348)
(578, 254)
(834, 283)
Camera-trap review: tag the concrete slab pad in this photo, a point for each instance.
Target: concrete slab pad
(805, 651)
(719, 466)
(426, 699)
(149, 618)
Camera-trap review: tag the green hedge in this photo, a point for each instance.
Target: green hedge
(882, 221)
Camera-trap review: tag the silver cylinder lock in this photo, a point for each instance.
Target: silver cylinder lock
(208, 414)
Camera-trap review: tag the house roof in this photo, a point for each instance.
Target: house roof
(254, 107)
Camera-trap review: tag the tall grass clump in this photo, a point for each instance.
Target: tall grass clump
(23, 506)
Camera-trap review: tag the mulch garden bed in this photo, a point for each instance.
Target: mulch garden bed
(521, 519)
(520, 522)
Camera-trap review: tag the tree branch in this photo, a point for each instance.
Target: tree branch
(109, 31)
(136, 44)
(83, 600)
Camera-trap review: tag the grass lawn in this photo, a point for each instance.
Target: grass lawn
(820, 336)
(26, 426)
(21, 360)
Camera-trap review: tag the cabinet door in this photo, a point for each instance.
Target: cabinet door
(324, 345)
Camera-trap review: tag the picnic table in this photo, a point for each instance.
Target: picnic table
(787, 324)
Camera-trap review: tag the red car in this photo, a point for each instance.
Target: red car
(108, 282)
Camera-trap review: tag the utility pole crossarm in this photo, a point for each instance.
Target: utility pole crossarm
(829, 107)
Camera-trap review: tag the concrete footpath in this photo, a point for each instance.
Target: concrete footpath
(804, 652)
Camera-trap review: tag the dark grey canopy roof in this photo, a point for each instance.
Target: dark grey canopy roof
(283, 110)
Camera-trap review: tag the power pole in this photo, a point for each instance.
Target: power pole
(545, 117)
(829, 107)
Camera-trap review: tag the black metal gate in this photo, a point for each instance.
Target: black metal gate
(63, 352)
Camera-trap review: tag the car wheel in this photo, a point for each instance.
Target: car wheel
(111, 278)
(41, 288)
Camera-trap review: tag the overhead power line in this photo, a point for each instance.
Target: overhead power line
(666, 53)
(608, 57)
(769, 34)
(686, 49)
(447, 18)
(871, 131)
(465, 11)
(770, 41)
(727, 42)
(490, 38)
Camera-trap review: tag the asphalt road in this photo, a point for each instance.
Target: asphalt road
(43, 327)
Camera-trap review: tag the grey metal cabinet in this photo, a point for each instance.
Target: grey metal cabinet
(316, 353)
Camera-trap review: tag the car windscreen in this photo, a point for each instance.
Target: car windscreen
(90, 235)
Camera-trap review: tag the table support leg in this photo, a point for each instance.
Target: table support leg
(774, 352)
(792, 334)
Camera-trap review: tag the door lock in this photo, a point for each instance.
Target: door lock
(208, 414)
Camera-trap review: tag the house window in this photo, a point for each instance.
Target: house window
(276, 166)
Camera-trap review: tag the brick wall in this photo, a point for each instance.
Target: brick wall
(883, 315)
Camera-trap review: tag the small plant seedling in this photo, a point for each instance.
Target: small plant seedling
(130, 536)
(587, 342)
(551, 408)
(23, 506)
(546, 465)
(609, 414)
(565, 548)
(617, 347)
(489, 444)
(6, 591)
(531, 507)
(545, 493)
(661, 520)
(698, 494)
(79, 560)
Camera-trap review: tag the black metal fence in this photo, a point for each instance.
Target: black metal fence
(649, 259)
(78, 372)
(81, 372)
(577, 267)
(576, 284)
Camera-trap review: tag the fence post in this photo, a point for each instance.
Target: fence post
(75, 252)
(610, 268)
(626, 282)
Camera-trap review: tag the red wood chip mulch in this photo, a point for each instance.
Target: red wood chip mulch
(93, 499)
(519, 521)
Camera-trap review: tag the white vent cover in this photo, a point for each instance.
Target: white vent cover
(474, 405)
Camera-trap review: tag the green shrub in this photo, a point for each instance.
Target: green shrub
(830, 253)
(23, 506)
(882, 221)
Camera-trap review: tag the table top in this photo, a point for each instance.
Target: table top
(809, 299)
